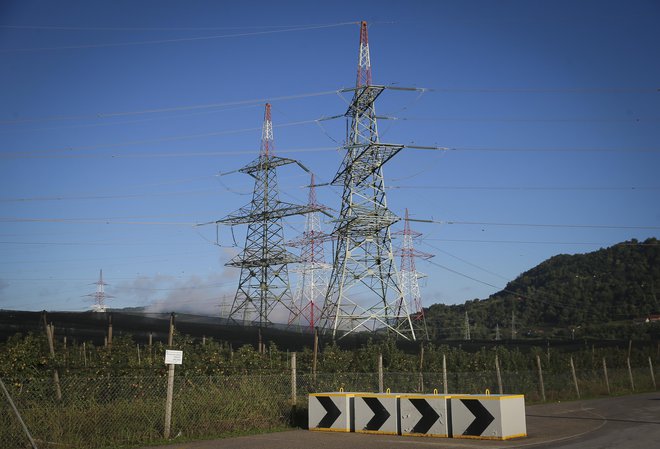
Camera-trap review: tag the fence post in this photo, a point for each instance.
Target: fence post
(499, 375)
(316, 352)
(577, 389)
(421, 368)
(50, 332)
(168, 401)
(632, 382)
(380, 373)
(18, 415)
(138, 354)
(538, 363)
(652, 374)
(607, 379)
(170, 336)
(294, 386)
(444, 373)
(109, 330)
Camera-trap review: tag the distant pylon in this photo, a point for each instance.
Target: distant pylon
(313, 272)
(364, 292)
(513, 325)
(264, 286)
(409, 276)
(100, 295)
(498, 336)
(466, 329)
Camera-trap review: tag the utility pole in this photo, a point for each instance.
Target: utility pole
(364, 292)
(264, 280)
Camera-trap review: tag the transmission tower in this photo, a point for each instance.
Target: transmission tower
(498, 335)
(466, 328)
(100, 295)
(313, 272)
(364, 291)
(264, 285)
(409, 276)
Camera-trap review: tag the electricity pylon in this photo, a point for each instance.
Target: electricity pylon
(313, 272)
(409, 276)
(364, 292)
(100, 295)
(263, 285)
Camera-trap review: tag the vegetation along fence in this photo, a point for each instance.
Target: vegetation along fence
(84, 396)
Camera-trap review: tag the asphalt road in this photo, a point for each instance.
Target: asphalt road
(626, 422)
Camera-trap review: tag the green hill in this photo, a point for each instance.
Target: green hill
(605, 293)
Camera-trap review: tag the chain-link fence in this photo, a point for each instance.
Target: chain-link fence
(97, 412)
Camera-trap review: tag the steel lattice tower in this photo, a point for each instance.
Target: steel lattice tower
(100, 295)
(409, 276)
(364, 291)
(313, 274)
(264, 285)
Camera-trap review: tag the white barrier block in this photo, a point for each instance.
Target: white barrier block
(424, 415)
(330, 411)
(488, 417)
(376, 413)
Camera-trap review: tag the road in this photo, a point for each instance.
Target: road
(626, 422)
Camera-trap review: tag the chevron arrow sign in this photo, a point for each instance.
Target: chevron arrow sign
(376, 413)
(330, 411)
(424, 415)
(493, 417)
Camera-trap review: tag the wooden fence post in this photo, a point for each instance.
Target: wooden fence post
(380, 373)
(652, 374)
(630, 374)
(50, 333)
(294, 385)
(499, 375)
(109, 330)
(421, 368)
(168, 400)
(607, 379)
(170, 337)
(444, 373)
(316, 352)
(538, 363)
(18, 415)
(577, 388)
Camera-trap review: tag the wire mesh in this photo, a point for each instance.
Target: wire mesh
(111, 411)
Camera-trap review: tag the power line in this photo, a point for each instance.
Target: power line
(533, 120)
(530, 188)
(525, 242)
(102, 115)
(535, 225)
(143, 141)
(168, 41)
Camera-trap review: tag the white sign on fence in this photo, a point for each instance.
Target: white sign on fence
(173, 357)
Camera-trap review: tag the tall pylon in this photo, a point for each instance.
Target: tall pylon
(364, 292)
(313, 271)
(263, 286)
(100, 295)
(409, 276)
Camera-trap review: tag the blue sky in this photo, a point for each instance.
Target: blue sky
(116, 117)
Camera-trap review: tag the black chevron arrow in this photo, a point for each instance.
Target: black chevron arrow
(482, 417)
(332, 412)
(380, 414)
(429, 416)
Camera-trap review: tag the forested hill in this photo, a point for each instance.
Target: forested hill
(597, 294)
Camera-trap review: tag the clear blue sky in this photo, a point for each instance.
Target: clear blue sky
(116, 117)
